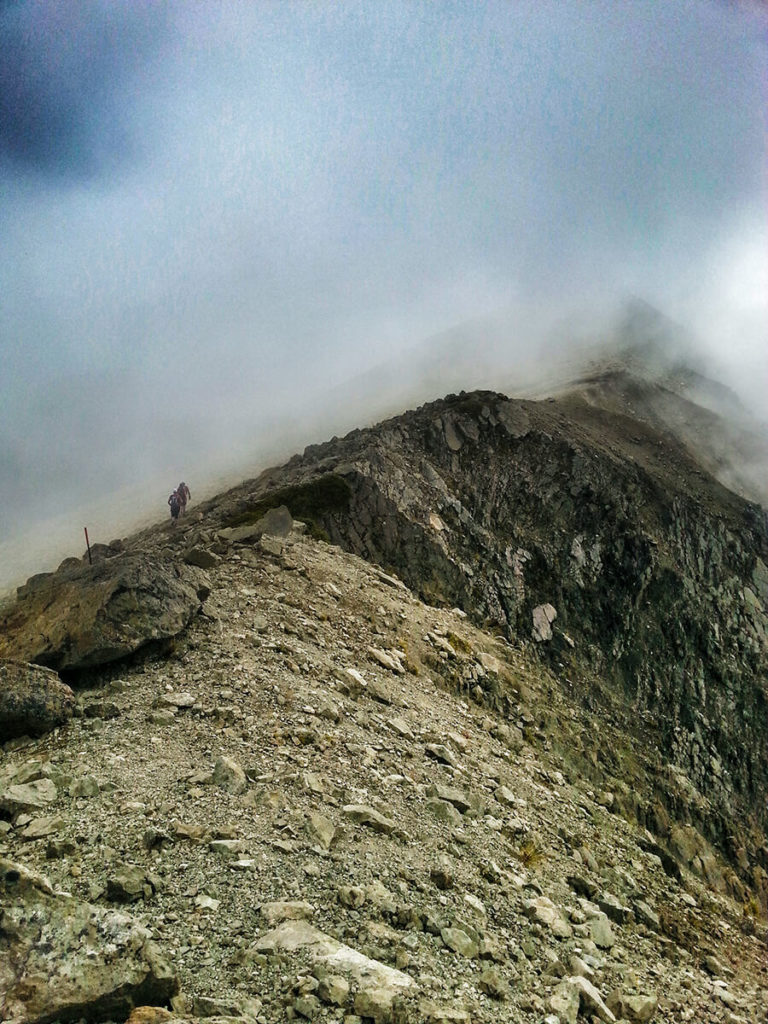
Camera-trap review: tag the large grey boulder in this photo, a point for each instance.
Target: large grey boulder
(64, 960)
(92, 615)
(33, 700)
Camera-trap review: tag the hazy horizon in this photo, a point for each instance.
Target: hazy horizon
(216, 216)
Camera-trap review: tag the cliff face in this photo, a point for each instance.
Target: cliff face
(599, 541)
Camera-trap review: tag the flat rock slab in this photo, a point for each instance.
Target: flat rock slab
(64, 960)
(92, 615)
(33, 700)
(369, 975)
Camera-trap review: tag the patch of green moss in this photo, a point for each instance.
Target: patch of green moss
(309, 502)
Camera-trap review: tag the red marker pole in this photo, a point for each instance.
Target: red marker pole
(90, 560)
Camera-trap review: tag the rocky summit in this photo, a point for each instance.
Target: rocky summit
(460, 718)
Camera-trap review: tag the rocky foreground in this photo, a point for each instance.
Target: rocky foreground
(330, 801)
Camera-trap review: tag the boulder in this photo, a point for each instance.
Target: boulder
(62, 959)
(97, 614)
(277, 522)
(377, 985)
(33, 700)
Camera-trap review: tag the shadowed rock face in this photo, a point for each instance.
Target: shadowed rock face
(82, 617)
(654, 571)
(33, 700)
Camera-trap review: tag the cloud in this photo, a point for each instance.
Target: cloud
(65, 82)
(215, 214)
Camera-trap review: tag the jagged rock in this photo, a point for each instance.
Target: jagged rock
(443, 811)
(230, 849)
(460, 942)
(276, 522)
(543, 617)
(41, 828)
(565, 1002)
(128, 884)
(576, 995)
(367, 816)
(33, 700)
(383, 983)
(600, 932)
(320, 829)
(202, 558)
(61, 959)
(101, 613)
(452, 796)
(333, 989)
(227, 774)
(28, 796)
(542, 909)
(635, 1008)
(614, 908)
(389, 661)
(286, 910)
(494, 985)
(442, 874)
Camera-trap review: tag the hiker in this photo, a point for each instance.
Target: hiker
(174, 502)
(184, 495)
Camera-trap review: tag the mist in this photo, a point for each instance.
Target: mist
(221, 222)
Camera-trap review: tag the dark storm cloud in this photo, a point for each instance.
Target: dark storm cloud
(65, 79)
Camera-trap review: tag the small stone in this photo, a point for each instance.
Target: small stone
(590, 1000)
(375, 1003)
(202, 558)
(543, 616)
(565, 1001)
(453, 796)
(352, 896)
(401, 727)
(439, 752)
(203, 902)
(600, 932)
(614, 908)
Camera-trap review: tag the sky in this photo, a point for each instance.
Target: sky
(215, 216)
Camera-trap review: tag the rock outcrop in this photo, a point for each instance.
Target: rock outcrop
(89, 615)
(33, 700)
(636, 573)
(62, 959)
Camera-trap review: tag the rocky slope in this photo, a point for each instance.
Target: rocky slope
(312, 808)
(526, 783)
(639, 578)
